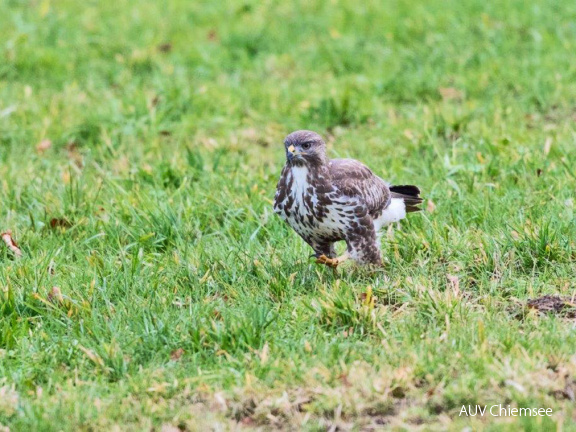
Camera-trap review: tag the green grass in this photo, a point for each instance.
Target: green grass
(185, 302)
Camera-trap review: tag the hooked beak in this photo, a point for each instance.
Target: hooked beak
(292, 152)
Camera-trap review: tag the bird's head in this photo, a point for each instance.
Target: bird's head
(305, 147)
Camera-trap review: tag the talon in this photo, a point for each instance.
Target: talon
(330, 262)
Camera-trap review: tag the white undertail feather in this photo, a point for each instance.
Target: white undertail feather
(393, 213)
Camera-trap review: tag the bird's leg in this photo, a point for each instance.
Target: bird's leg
(332, 262)
(322, 248)
(326, 254)
(362, 244)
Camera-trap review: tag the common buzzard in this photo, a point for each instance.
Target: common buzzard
(327, 200)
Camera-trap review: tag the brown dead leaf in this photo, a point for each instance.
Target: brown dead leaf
(367, 298)
(11, 244)
(44, 145)
(60, 222)
(74, 154)
(212, 35)
(348, 332)
(165, 47)
(450, 93)
(430, 206)
(55, 295)
(343, 377)
(176, 354)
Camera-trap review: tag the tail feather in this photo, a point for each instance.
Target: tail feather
(410, 194)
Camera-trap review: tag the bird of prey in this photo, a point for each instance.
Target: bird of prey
(327, 200)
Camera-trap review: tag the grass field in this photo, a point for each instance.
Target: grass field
(140, 145)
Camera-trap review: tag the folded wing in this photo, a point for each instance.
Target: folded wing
(355, 179)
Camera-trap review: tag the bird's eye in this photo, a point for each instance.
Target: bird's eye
(306, 146)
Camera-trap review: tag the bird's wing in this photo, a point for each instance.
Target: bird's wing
(281, 190)
(355, 179)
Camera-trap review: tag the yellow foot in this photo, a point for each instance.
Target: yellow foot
(331, 262)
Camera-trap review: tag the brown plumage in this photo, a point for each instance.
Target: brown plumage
(326, 201)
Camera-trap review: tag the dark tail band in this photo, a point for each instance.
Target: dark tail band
(410, 194)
